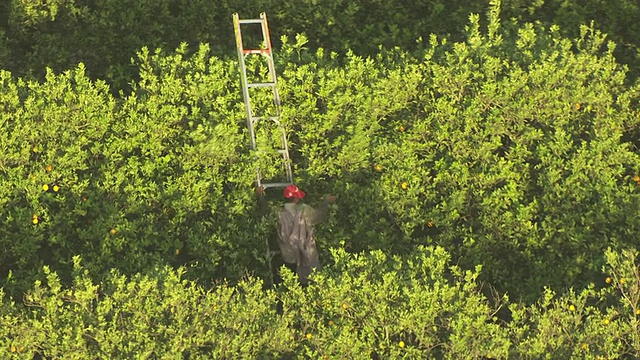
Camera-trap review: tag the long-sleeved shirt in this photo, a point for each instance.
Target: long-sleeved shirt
(296, 236)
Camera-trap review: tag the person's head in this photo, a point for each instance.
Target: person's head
(293, 194)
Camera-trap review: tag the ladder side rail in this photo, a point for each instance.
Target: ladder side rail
(272, 69)
(265, 31)
(285, 156)
(243, 78)
(276, 96)
(274, 79)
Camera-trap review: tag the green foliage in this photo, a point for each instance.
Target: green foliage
(391, 308)
(486, 147)
(514, 149)
(158, 177)
(61, 33)
(162, 315)
(364, 305)
(508, 148)
(367, 304)
(616, 19)
(4, 49)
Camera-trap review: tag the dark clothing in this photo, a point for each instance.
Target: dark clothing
(296, 236)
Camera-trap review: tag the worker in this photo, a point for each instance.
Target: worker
(296, 237)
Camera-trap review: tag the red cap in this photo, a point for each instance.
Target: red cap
(292, 191)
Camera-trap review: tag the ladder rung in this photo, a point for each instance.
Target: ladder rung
(271, 185)
(258, 85)
(250, 21)
(257, 51)
(272, 118)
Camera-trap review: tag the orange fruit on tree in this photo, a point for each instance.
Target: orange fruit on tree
(404, 185)
(112, 231)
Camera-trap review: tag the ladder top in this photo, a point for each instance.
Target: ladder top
(263, 17)
(251, 21)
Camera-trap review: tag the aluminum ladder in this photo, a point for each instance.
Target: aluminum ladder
(253, 119)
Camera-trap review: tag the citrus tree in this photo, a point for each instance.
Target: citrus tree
(515, 148)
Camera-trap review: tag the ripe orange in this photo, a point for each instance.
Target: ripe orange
(112, 231)
(378, 167)
(401, 343)
(404, 185)
(607, 280)
(177, 251)
(45, 187)
(48, 168)
(309, 336)
(56, 188)
(401, 128)
(577, 106)
(572, 308)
